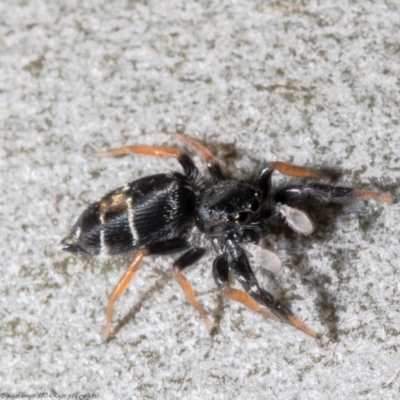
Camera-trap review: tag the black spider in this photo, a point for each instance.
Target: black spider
(169, 213)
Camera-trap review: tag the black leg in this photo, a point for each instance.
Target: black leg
(169, 246)
(263, 182)
(328, 193)
(187, 259)
(263, 177)
(212, 164)
(164, 247)
(241, 268)
(220, 272)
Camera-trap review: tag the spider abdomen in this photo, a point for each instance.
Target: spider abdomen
(144, 211)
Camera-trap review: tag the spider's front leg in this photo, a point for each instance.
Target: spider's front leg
(264, 174)
(297, 219)
(324, 192)
(254, 296)
(221, 277)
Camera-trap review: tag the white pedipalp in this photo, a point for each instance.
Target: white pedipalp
(264, 257)
(296, 219)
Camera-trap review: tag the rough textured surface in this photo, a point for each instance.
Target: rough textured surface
(294, 81)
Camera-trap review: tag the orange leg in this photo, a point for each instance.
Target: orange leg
(213, 166)
(296, 171)
(120, 289)
(369, 194)
(247, 300)
(188, 166)
(255, 298)
(191, 296)
(187, 259)
(202, 151)
(205, 154)
(294, 321)
(143, 150)
(330, 193)
(303, 172)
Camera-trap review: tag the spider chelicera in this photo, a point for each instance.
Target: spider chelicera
(175, 212)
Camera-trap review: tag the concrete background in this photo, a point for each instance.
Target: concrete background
(302, 82)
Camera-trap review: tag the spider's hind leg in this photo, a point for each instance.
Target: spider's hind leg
(186, 162)
(187, 259)
(164, 247)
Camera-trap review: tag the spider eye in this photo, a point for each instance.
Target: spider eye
(242, 217)
(238, 218)
(254, 205)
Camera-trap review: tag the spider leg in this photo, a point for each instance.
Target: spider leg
(241, 268)
(263, 177)
(323, 192)
(212, 164)
(187, 259)
(329, 193)
(220, 272)
(264, 174)
(165, 247)
(186, 162)
(296, 170)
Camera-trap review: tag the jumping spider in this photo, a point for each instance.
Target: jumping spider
(173, 212)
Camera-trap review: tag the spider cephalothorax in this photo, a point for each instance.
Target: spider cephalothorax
(174, 212)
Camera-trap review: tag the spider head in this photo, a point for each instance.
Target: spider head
(228, 206)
